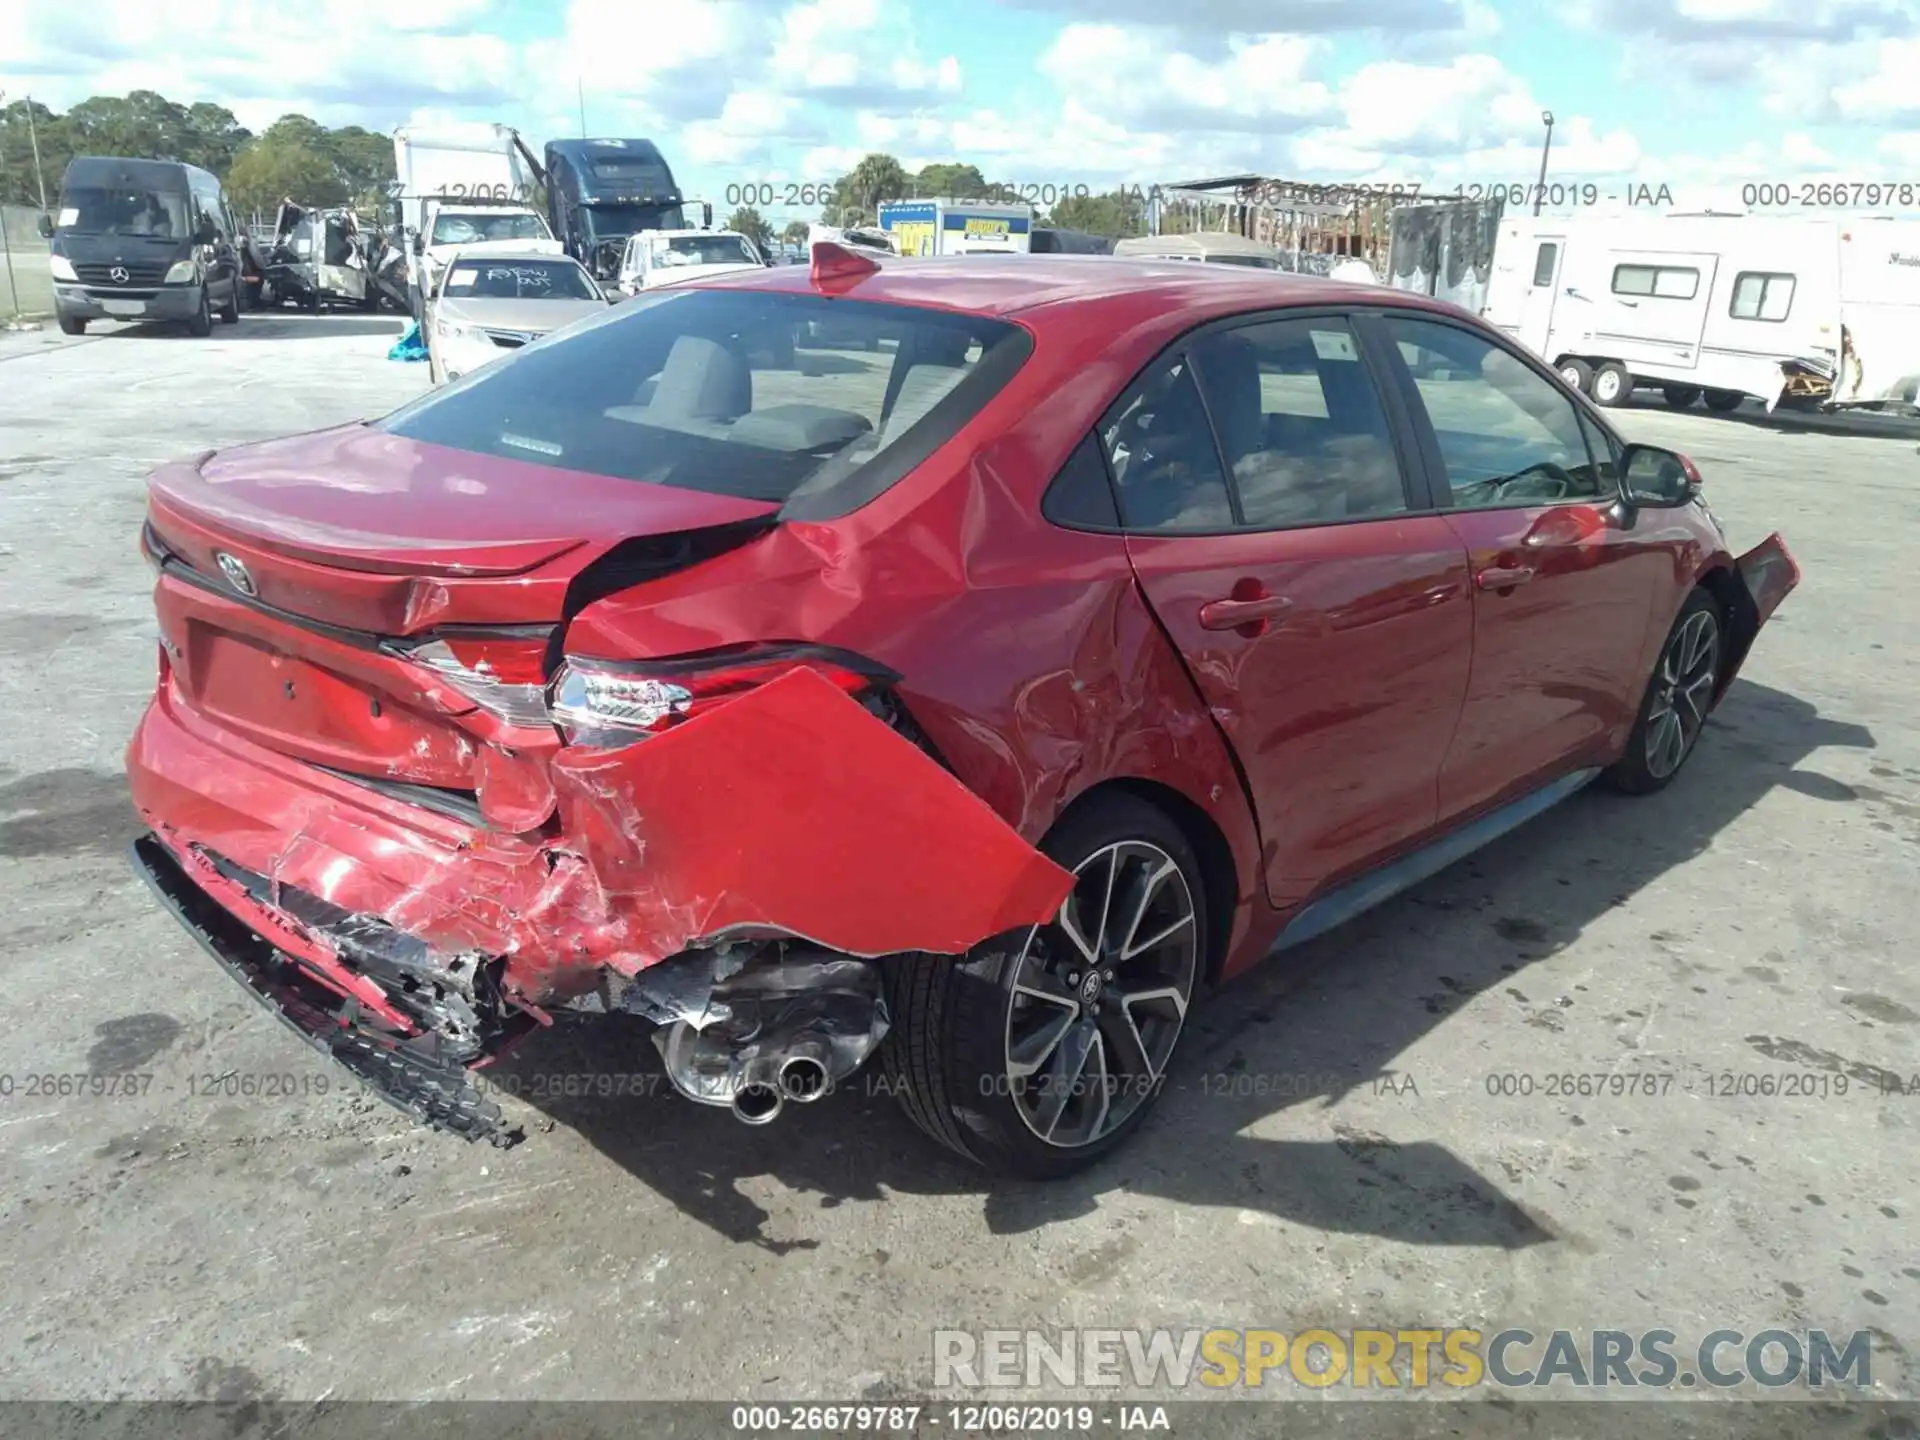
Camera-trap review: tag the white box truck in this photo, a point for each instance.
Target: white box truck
(957, 227)
(462, 185)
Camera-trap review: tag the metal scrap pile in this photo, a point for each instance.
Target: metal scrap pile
(331, 257)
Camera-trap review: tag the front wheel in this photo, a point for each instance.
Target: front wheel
(1678, 700)
(72, 325)
(201, 325)
(1041, 1050)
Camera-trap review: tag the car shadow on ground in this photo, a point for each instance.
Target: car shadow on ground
(1345, 1006)
(1787, 421)
(265, 325)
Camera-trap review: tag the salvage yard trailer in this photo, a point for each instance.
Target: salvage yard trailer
(1819, 311)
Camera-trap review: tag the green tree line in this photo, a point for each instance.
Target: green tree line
(317, 165)
(295, 156)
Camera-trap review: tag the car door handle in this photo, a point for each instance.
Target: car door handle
(1503, 577)
(1231, 614)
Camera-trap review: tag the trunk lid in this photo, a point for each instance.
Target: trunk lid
(358, 528)
(384, 608)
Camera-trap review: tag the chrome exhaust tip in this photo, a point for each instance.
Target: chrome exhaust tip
(757, 1104)
(803, 1078)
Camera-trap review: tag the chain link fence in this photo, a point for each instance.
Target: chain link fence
(26, 286)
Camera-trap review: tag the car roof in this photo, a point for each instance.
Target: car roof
(1028, 282)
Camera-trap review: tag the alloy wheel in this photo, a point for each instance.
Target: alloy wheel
(1683, 690)
(1100, 995)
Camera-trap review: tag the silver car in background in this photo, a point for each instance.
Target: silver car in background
(492, 299)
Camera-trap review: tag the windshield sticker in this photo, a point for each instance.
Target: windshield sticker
(69, 215)
(461, 280)
(1333, 345)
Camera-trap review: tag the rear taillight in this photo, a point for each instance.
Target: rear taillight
(611, 702)
(502, 672)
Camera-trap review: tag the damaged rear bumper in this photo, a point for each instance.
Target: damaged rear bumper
(399, 937)
(402, 1070)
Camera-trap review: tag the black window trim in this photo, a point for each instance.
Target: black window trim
(1440, 489)
(1613, 284)
(1766, 279)
(1415, 485)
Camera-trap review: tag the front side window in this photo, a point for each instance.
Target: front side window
(730, 392)
(1667, 282)
(1507, 436)
(1759, 295)
(1300, 423)
(1161, 454)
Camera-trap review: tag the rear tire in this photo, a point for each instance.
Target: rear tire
(1577, 373)
(72, 325)
(1612, 385)
(1679, 697)
(1724, 400)
(230, 312)
(1003, 1058)
(1680, 397)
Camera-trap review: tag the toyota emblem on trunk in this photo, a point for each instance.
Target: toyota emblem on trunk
(118, 274)
(235, 572)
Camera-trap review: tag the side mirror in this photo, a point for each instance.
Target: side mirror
(1657, 478)
(46, 226)
(206, 234)
(419, 244)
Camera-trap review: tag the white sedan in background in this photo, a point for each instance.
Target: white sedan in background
(491, 301)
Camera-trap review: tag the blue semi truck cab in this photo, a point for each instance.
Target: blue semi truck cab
(601, 191)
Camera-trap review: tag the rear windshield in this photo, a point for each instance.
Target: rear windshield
(800, 400)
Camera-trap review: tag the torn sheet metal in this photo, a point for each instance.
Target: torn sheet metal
(791, 810)
(793, 807)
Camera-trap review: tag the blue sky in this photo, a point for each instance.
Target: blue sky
(1698, 95)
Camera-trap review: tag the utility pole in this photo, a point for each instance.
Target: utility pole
(6, 245)
(34, 135)
(1546, 148)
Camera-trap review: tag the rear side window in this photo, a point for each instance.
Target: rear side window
(794, 399)
(1301, 424)
(1161, 454)
(1759, 295)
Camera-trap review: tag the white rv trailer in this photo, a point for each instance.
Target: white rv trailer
(1825, 311)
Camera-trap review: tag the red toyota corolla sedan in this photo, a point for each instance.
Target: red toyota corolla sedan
(969, 664)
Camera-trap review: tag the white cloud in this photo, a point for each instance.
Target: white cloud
(1127, 74)
(855, 48)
